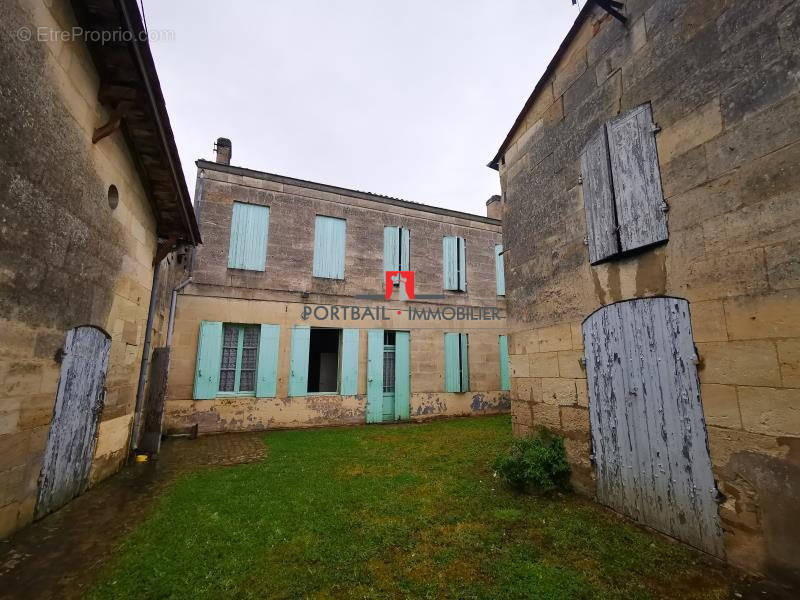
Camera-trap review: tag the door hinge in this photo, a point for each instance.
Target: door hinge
(654, 127)
(582, 362)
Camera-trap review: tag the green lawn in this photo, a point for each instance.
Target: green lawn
(407, 511)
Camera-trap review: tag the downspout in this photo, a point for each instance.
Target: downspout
(148, 336)
(172, 303)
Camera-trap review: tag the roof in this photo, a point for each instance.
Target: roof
(323, 187)
(129, 86)
(582, 16)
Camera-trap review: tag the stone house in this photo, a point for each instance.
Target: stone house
(650, 206)
(92, 196)
(291, 319)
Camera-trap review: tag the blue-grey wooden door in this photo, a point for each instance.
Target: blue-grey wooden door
(73, 430)
(648, 431)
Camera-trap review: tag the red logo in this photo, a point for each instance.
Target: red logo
(397, 278)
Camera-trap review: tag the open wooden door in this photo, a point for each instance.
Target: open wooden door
(73, 430)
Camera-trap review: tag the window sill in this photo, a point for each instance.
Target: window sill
(236, 394)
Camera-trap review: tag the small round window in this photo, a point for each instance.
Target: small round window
(113, 196)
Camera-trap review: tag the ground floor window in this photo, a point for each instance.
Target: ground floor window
(323, 360)
(237, 371)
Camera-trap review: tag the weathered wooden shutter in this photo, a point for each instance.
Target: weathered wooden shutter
(267, 371)
(598, 198)
(637, 179)
(505, 373)
(298, 362)
(499, 270)
(391, 248)
(463, 341)
(450, 262)
(374, 375)
(349, 362)
(248, 243)
(405, 249)
(462, 264)
(329, 247)
(648, 432)
(452, 362)
(402, 378)
(209, 358)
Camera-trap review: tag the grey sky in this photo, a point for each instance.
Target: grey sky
(403, 98)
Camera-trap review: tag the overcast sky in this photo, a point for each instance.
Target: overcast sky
(408, 98)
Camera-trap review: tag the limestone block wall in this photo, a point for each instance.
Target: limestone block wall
(428, 398)
(66, 258)
(722, 81)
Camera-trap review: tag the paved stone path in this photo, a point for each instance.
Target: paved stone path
(60, 555)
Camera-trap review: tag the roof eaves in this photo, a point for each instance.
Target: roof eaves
(324, 187)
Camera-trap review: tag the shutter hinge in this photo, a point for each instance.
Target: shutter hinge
(664, 207)
(654, 127)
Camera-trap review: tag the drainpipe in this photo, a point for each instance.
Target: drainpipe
(172, 303)
(148, 335)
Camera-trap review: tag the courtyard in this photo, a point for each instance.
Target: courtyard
(401, 511)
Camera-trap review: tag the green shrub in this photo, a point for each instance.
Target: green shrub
(537, 464)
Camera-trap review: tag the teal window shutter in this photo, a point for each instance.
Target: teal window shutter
(267, 378)
(402, 375)
(464, 359)
(450, 263)
(374, 375)
(499, 269)
(298, 367)
(452, 362)
(349, 362)
(505, 373)
(462, 264)
(209, 357)
(405, 249)
(391, 249)
(249, 230)
(329, 247)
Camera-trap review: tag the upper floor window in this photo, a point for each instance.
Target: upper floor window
(396, 249)
(625, 207)
(454, 263)
(248, 245)
(329, 246)
(499, 270)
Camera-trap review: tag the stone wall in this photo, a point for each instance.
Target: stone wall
(279, 294)
(66, 258)
(723, 78)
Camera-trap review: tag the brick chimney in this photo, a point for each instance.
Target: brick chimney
(224, 150)
(494, 208)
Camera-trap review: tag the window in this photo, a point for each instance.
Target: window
(329, 246)
(456, 362)
(237, 372)
(624, 203)
(236, 359)
(499, 270)
(454, 263)
(505, 371)
(396, 249)
(323, 361)
(248, 244)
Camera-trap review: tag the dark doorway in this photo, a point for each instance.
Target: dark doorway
(323, 361)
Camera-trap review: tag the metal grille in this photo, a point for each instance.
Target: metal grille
(227, 372)
(388, 370)
(247, 377)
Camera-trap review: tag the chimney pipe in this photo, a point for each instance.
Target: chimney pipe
(224, 150)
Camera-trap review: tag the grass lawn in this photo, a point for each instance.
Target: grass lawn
(406, 511)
